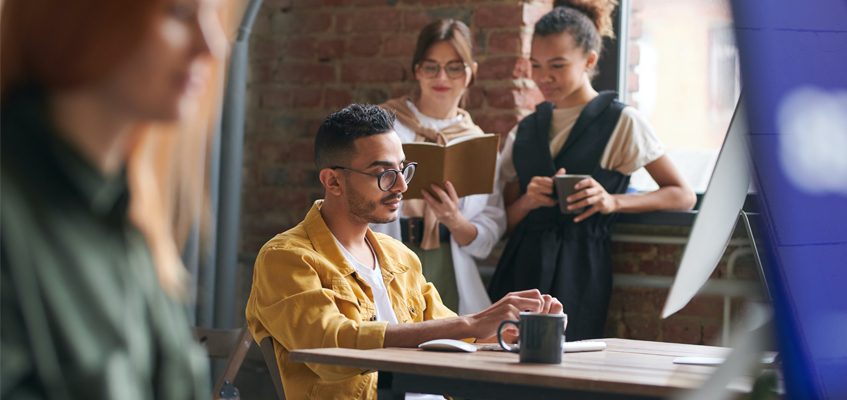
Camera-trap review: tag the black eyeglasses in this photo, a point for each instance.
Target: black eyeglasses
(453, 69)
(385, 180)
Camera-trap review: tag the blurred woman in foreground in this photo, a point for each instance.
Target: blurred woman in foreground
(91, 277)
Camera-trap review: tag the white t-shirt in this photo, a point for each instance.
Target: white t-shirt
(631, 146)
(384, 312)
(373, 277)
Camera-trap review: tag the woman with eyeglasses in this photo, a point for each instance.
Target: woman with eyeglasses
(447, 232)
(92, 289)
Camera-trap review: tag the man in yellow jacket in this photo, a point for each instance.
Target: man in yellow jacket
(332, 282)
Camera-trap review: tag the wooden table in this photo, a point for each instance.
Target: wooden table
(630, 369)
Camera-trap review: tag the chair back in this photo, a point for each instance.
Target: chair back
(267, 348)
(231, 344)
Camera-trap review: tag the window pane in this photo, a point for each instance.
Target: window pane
(682, 74)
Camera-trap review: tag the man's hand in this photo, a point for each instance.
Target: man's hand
(485, 322)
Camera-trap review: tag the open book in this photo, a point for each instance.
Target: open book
(468, 162)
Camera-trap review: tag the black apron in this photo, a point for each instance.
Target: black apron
(547, 250)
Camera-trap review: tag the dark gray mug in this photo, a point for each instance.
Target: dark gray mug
(564, 185)
(541, 337)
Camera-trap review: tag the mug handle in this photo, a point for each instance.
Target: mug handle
(500, 335)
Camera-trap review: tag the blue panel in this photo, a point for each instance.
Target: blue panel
(799, 218)
(789, 48)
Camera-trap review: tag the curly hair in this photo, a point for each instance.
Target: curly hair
(335, 137)
(588, 21)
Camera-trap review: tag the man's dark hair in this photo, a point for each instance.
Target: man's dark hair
(334, 141)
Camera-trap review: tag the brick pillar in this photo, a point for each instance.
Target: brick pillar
(311, 57)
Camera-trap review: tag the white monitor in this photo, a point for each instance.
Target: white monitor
(715, 221)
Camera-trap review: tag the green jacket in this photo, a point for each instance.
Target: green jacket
(83, 315)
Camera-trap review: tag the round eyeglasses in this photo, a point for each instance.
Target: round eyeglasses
(453, 69)
(385, 180)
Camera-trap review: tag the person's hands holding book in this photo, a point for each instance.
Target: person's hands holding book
(444, 203)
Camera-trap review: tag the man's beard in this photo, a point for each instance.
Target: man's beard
(366, 209)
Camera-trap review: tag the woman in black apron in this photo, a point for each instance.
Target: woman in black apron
(578, 131)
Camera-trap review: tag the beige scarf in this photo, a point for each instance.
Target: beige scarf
(416, 207)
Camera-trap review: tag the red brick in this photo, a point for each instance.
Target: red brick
(498, 16)
(413, 21)
(500, 98)
(474, 97)
(404, 89)
(641, 300)
(356, 72)
(494, 123)
(262, 26)
(275, 99)
(306, 97)
(275, 175)
(330, 49)
(690, 330)
(501, 68)
(363, 45)
(300, 47)
(704, 307)
(509, 43)
(305, 73)
(264, 48)
(439, 2)
(386, 20)
(301, 22)
(269, 150)
(656, 267)
(640, 326)
(400, 45)
(302, 174)
(511, 98)
(279, 4)
(622, 265)
(336, 98)
(261, 72)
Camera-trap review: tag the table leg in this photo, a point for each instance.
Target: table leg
(385, 389)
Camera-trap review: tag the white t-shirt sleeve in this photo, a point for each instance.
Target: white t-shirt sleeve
(633, 144)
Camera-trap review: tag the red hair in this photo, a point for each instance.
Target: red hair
(64, 44)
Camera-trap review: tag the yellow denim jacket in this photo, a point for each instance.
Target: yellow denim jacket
(306, 295)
